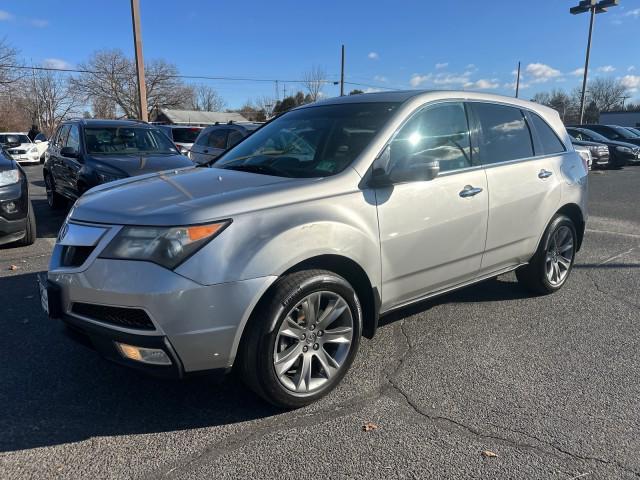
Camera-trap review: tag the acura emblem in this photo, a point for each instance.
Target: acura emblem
(63, 232)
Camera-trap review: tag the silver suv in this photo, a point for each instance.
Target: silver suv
(280, 258)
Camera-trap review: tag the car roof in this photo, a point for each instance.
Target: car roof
(245, 125)
(99, 122)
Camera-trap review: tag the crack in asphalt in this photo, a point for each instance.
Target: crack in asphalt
(277, 424)
(450, 422)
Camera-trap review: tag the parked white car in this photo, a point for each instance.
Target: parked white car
(22, 149)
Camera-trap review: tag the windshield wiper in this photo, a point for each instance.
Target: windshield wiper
(261, 169)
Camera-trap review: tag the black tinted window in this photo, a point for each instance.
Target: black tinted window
(505, 135)
(218, 138)
(185, 135)
(437, 133)
(548, 139)
(234, 138)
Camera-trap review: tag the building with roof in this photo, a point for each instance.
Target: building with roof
(625, 118)
(194, 117)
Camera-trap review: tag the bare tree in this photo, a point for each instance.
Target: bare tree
(314, 80)
(266, 104)
(606, 93)
(103, 108)
(111, 76)
(49, 99)
(206, 98)
(8, 56)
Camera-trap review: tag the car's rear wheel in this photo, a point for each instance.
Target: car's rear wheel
(549, 269)
(54, 199)
(302, 338)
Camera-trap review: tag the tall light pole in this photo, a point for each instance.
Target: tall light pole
(137, 40)
(342, 73)
(518, 81)
(593, 7)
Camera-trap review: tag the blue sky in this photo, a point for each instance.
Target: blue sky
(401, 44)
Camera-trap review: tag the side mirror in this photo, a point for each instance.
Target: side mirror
(413, 168)
(69, 152)
(37, 141)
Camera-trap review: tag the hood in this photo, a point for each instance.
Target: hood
(132, 165)
(616, 143)
(187, 196)
(586, 143)
(18, 146)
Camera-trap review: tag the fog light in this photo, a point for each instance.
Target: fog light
(9, 207)
(153, 356)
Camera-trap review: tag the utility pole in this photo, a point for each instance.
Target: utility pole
(137, 40)
(342, 74)
(593, 7)
(518, 81)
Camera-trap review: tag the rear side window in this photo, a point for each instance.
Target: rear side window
(548, 139)
(234, 138)
(504, 134)
(218, 138)
(185, 135)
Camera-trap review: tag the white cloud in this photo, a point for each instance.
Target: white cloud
(380, 78)
(578, 72)
(633, 13)
(373, 56)
(631, 68)
(417, 80)
(471, 66)
(371, 90)
(483, 84)
(440, 66)
(607, 69)
(55, 63)
(5, 15)
(512, 85)
(631, 81)
(451, 79)
(541, 72)
(38, 22)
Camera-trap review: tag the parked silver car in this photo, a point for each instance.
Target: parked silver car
(215, 139)
(278, 260)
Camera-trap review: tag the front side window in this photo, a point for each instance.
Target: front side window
(548, 139)
(127, 141)
(62, 137)
(439, 132)
(316, 141)
(73, 139)
(14, 138)
(504, 134)
(41, 136)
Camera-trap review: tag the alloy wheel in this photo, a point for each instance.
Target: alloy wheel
(559, 256)
(49, 189)
(313, 342)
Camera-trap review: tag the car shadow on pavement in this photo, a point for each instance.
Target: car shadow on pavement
(55, 391)
(492, 290)
(48, 221)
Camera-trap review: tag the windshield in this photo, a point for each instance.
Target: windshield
(185, 135)
(14, 138)
(311, 142)
(126, 141)
(595, 136)
(623, 132)
(635, 131)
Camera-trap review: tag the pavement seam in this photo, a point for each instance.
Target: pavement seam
(449, 422)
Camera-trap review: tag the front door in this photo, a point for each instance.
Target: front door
(432, 233)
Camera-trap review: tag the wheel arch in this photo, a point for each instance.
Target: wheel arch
(574, 212)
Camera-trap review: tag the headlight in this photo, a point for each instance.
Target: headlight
(166, 246)
(624, 149)
(9, 177)
(33, 149)
(105, 177)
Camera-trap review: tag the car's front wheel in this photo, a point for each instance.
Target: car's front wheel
(549, 269)
(302, 338)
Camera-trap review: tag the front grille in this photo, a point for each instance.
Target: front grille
(74, 256)
(124, 317)
(17, 152)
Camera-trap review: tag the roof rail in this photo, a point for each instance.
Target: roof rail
(230, 122)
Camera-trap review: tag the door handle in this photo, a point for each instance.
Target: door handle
(470, 191)
(544, 173)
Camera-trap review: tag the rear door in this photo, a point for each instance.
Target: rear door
(523, 180)
(209, 145)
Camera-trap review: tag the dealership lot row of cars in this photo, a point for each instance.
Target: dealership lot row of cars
(84, 153)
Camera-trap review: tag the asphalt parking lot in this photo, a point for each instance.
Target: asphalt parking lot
(550, 385)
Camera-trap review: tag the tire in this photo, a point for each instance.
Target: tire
(316, 352)
(54, 199)
(550, 267)
(30, 232)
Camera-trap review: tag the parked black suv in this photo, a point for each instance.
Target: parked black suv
(17, 220)
(612, 132)
(85, 153)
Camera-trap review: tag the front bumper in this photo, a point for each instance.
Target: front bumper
(13, 225)
(198, 326)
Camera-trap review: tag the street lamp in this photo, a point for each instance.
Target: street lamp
(594, 7)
